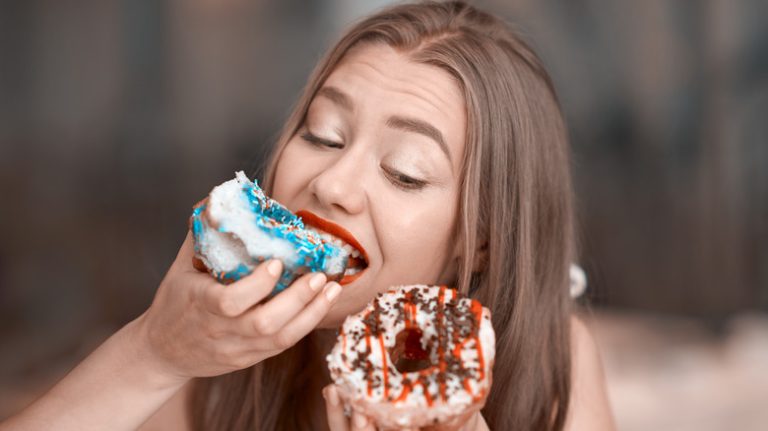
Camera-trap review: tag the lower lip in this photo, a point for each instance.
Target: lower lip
(316, 222)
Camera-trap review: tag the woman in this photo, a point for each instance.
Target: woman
(432, 133)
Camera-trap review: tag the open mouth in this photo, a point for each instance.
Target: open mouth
(337, 235)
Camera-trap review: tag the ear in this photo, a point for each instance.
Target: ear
(480, 263)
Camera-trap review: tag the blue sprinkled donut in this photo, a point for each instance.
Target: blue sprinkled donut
(237, 227)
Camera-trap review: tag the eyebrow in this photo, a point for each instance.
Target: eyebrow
(336, 96)
(418, 126)
(407, 124)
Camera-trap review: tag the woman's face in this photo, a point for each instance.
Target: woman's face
(379, 154)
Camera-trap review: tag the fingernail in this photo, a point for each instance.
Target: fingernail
(332, 396)
(360, 421)
(274, 268)
(332, 290)
(317, 281)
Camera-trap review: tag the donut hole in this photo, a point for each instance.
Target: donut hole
(407, 354)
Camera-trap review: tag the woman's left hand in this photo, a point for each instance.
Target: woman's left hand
(337, 421)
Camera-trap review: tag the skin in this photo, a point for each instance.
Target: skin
(197, 327)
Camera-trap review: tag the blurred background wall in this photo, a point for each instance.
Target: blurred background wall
(117, 115)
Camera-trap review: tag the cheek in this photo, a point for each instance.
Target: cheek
(416, 243)
(292, 173)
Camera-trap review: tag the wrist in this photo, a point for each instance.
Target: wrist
(139, 353)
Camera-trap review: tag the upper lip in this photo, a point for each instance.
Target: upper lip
(314, 220)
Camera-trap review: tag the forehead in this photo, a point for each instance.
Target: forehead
(382, 82)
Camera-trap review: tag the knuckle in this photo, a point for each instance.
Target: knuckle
(284, 340)
(264, 325)
(241, 362)
(228, 306)
(223, 354)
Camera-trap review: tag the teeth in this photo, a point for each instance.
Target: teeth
(327, 237)
(352, 271)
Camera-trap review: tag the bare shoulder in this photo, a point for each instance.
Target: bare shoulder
(589, 407)
(172, 415)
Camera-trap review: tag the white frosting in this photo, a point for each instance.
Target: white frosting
(399, 404)
(230, 208)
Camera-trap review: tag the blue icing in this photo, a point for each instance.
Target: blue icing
(285, 280)
(236, 274)
(311, 251)
(266, 207)
(277, 221)
(197, 226)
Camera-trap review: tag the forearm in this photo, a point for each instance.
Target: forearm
(117, 387)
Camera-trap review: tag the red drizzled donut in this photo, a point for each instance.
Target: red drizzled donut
(415, 356)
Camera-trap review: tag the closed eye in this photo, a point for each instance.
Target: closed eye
(403, 181)
(316, 140)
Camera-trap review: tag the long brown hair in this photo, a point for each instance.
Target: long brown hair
(515, 226)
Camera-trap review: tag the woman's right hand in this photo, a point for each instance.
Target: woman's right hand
(197, 327)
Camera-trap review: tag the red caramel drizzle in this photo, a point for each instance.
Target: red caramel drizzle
(408, 387)
(477, 308)
(384, 365)
(408, 312)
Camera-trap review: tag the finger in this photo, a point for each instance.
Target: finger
(469, 424)
(481, 424)
(360, 422)
(334, 410)
(270, 317)
(233, 299)
(308, 318)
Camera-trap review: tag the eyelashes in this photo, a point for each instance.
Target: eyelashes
(320, 141)
(404, 181)
(398, 179)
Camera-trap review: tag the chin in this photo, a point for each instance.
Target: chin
(333, 319)
(355, 300)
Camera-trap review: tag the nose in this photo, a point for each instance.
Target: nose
(340, 186)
